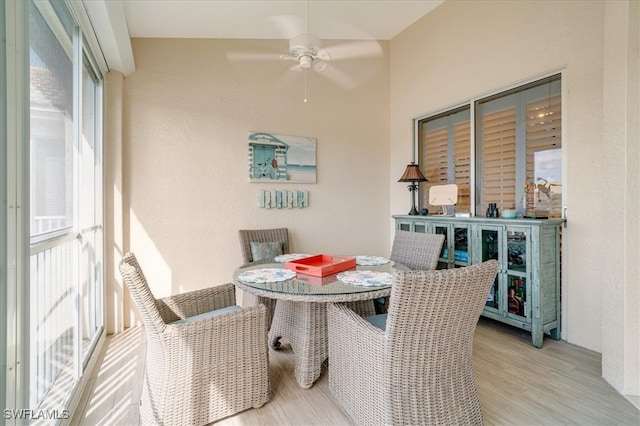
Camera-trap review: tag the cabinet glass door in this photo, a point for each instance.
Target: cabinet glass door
(517, 259)
(491, 250)
(443, 262)
(420, 227)
(461, 253)
(404, 226)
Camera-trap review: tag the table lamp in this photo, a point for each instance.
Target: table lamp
(413, 174)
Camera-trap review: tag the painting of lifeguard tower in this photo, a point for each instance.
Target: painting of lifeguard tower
(281, 158)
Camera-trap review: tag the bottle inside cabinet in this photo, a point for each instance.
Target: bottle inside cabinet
(517, 296)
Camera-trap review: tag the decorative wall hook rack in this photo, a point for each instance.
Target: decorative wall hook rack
(283, 199)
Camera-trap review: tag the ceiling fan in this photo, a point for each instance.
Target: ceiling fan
(308, 53)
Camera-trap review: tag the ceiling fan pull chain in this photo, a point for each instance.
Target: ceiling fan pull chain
(305, 86)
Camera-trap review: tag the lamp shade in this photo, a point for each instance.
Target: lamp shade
(412, 174)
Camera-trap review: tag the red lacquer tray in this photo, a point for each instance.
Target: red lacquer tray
(321, 265)
(316, 281)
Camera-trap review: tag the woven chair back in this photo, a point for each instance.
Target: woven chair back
(141, 294)
(429, 337)
(416, 250)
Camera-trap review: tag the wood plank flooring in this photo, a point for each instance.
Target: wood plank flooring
(559, 384)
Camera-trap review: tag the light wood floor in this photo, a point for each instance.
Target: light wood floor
(559, 384)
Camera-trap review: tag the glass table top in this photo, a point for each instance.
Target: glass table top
(311, 285)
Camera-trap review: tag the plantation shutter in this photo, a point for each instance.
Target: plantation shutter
(445, 147)
(435, 157)
(462, 164)
(498, 158)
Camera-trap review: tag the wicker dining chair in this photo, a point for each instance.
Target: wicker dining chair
(247, 236)
(417, 368)
(415, 250)
(206, 359)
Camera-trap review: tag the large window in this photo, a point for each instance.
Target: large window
(66, 220)
(517, 151)
(54, 163)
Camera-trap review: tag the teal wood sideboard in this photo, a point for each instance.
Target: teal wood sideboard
(526, 292)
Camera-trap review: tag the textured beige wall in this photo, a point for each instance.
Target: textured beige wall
(113, 212)
(621, 263)
(186, 117)
(467, 49)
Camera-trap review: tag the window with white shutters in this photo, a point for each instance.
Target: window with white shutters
(519, 150)
(446, 155)
(517, 161)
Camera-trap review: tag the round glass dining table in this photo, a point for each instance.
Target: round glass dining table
(301, 315)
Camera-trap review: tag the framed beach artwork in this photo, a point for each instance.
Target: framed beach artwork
(281, 158)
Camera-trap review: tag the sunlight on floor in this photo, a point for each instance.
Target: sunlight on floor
(112, 401)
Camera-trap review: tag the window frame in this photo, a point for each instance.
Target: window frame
(475, 210)
(15, 164)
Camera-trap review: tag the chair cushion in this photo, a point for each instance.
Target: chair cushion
(266, 250)
(379, 321)
(208, 314)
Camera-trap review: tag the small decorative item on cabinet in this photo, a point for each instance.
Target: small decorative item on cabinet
(509, 213)
(444, 196)
(414, 176)
(492, 210)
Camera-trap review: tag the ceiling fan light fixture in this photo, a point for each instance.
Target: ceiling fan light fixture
(304, 45)
(305, 61)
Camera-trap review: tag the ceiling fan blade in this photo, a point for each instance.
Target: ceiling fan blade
(320, 66)
(253, 56)
(339, 77)
(354, 50)
(296, 68)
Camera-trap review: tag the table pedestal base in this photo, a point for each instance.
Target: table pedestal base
(304, 324)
